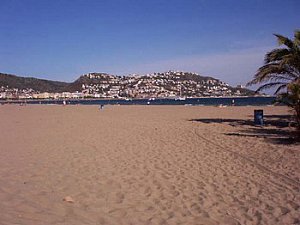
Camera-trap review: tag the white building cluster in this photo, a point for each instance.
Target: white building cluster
(156, 85)
(159, 85)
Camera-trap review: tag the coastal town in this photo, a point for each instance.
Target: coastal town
(170, 84)
(122, 112)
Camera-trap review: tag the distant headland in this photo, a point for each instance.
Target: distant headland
(170, 84)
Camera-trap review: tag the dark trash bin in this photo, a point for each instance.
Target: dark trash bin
(259, 117)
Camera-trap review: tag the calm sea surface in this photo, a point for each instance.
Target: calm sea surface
(239, 101)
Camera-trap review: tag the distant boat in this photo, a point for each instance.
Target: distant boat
(180, 98)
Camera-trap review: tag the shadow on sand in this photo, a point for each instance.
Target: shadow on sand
(276, 128)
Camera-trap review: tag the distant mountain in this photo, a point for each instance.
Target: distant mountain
(161, 85)
(39, 85)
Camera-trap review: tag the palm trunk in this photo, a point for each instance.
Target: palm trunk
(297, 115)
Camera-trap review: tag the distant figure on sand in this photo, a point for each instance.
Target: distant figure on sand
(101, 107)
(232, 102)
(64, 102)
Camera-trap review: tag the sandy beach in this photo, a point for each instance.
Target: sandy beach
(146, 165)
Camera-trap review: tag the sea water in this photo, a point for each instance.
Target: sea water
(212, 101)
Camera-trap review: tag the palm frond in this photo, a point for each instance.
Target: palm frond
(283, 86)
(284, 41)
(276, 55)
(277, 77)
(291, 64)
(273, 68)
(281, 65)
(272, 85)
(297, 38)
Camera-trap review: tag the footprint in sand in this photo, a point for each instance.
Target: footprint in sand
(119, 197)
(148, 192)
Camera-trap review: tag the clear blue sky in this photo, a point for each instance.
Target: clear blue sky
(62, 39)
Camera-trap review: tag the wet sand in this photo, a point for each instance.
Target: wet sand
(146, 165)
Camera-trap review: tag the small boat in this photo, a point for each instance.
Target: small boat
(180, 99)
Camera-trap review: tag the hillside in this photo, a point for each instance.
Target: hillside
(161, 85)
(39, 85)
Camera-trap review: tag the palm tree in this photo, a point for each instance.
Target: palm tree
(292, 99)
(282, 70)
(281, 65)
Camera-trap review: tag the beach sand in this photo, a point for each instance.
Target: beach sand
(146, 165)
